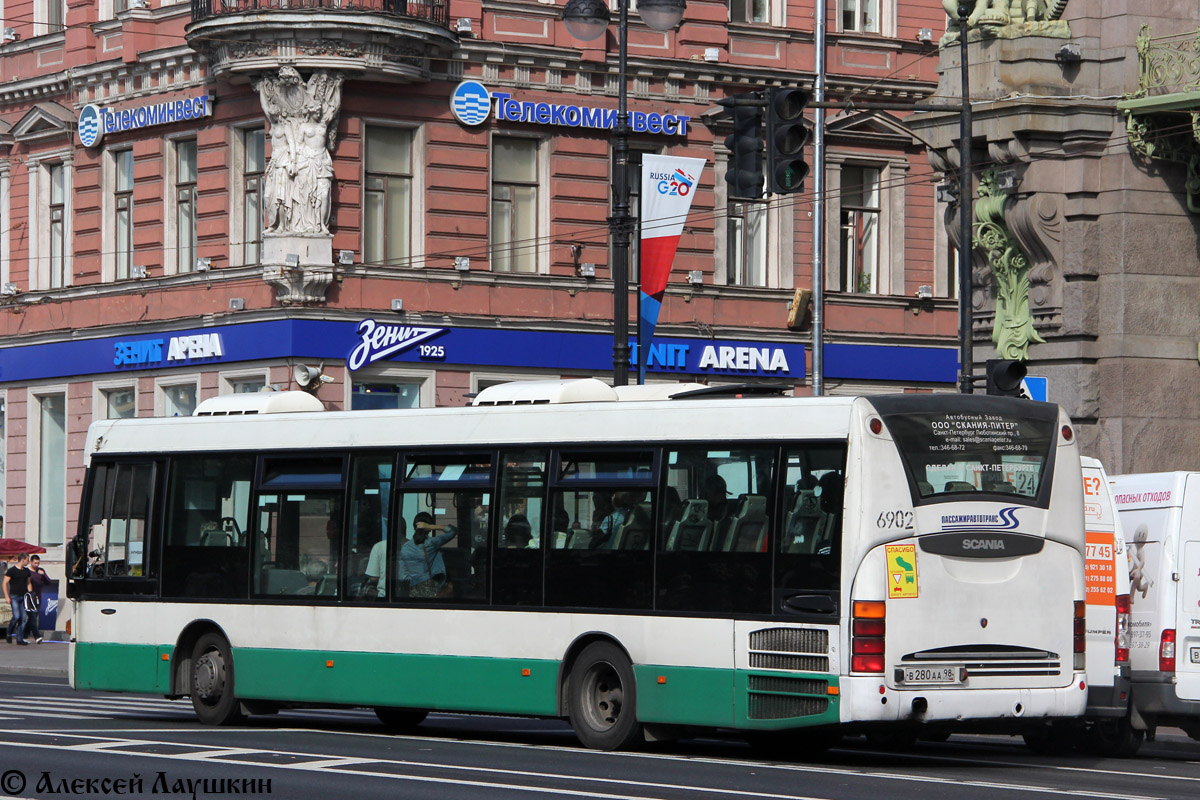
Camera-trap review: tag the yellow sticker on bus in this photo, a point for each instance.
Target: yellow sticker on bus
(902, 570)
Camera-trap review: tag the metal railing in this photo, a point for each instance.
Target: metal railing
(1168, 63)
(435, 11)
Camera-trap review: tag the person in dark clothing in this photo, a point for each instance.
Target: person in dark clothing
(37, 579)
(16, 583)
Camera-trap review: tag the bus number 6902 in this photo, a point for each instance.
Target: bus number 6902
(895, 519)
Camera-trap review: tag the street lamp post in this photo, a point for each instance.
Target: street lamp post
(587, 20)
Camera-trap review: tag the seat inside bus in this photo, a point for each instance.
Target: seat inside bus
(694, 529)
(748, 526)
(804, 520)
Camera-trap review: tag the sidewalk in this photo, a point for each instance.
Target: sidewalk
(46, 660)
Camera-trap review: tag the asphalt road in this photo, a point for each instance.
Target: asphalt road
(61, 743)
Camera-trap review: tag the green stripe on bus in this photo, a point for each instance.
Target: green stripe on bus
(122, 667)
(491, 685)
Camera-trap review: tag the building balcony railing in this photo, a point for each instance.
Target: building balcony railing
(435, 11)
(1168, 64)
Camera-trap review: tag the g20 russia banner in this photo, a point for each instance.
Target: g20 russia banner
(668, 186)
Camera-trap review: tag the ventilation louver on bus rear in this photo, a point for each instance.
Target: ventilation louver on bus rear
(797, 649)
(782, 696)
(981, 661)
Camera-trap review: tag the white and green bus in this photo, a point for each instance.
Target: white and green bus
(643, 568)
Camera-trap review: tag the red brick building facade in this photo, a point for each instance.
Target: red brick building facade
(137, 277)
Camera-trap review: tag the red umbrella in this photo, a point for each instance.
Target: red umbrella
(10, 547)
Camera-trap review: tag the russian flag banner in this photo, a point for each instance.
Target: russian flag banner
(668, 186)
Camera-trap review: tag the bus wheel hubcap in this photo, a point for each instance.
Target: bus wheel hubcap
(603, 696)
(210, 672)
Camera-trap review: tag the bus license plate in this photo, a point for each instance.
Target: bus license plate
(931, 675)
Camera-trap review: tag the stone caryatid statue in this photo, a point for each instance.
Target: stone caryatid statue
(1008, 19)
(299, 178)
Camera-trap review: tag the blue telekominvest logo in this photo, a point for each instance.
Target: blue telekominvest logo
(471, 103)
(90, 129)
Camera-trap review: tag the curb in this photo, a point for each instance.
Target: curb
(33, 672)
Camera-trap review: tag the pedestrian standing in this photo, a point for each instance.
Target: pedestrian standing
(16, 583)
(37, 579)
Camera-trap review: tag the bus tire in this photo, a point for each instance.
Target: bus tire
(212, 682)
(400, 720)
(603, 698)
(1114, 738)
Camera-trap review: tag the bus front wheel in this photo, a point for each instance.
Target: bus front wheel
(212, 682)
(603, 698)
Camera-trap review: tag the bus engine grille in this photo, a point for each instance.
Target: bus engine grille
(791, 640)
(782, 698)
(982, 661)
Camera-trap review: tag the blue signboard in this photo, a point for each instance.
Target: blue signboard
(370, 341)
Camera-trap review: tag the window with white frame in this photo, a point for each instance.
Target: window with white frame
(185, 204)
(750, 10)
(52, 467)
(120, 402)
(179, 400)
(254, 165)
(747, 259)
(861, 16)
(387, 195)
(58, 224)
(514, 234)
(122, 199)
(53, 13)
(247, 385)
(860, 223)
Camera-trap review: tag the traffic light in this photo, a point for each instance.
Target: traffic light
(787, 134)
(745, 172)
(1004, 377)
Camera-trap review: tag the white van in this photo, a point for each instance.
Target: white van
(1160, 515)
(1106, 728)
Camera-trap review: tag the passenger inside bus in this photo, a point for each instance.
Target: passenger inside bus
(518, 533)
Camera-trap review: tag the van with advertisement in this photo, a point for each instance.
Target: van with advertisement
(1160, 516)
(1105, 728)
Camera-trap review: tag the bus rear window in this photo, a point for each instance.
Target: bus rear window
(954, 452)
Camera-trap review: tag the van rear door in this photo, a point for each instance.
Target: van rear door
(1187, 646)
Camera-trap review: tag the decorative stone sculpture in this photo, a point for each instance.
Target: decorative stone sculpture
(1012, 330)
(1008, 19)
(299, 177)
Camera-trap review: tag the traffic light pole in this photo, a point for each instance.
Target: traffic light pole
(619, 222)
(818, 235)
(966, 356)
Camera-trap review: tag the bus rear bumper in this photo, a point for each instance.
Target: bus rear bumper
(863, 701)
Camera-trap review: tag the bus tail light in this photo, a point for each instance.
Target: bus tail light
(1123, 629)
(1080, 635)
(1166, 651)
(867, 637)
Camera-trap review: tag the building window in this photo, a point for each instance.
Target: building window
(749, 11)
(389, 394)
(52, 468)
(179, 401)
(120, 403)
(747, 262)
(514, 204)
(185, 205)
(247, 385)
(861, 16)
(55, 13)
(387, 196)
(860, 229)
(123, 212)
(58, 222)
(254, 164)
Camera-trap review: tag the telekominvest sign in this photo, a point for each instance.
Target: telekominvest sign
(471, 103)
(95, 121)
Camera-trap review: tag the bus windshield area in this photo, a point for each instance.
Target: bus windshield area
(953, 452)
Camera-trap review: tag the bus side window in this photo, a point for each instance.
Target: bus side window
(206, 539)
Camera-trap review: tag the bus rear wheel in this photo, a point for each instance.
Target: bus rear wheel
(212, 682)
(603, 698)
(400, 719)
(1114, 738)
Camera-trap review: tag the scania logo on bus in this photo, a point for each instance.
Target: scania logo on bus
(380, 341)
(981, 545)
